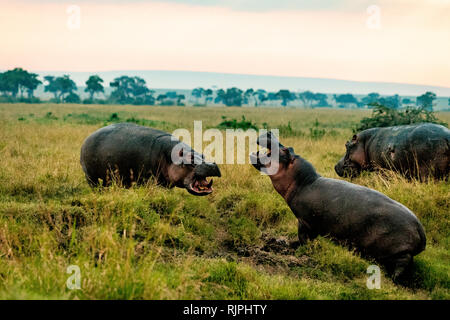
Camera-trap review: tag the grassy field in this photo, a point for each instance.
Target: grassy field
(153, 243)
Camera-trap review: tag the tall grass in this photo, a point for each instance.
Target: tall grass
(149, 242)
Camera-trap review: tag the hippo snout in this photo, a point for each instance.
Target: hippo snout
(207, 169)
(339, 168)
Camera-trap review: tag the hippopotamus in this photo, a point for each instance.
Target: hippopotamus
(355, 216)
(415, 151)
(134, 154)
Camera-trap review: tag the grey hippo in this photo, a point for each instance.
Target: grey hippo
(416, 151)
(135, 154)
(355, 216)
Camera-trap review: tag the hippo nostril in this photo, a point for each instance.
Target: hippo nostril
(207, 169)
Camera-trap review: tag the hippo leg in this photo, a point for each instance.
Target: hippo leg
(397, 267)
(304, 233)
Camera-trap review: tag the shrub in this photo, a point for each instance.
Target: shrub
(285, 130)
(383, 116)
(315, 132)
(234, 124)
(72, 98)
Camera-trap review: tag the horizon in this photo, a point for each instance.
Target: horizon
(188, 80)
(225, 73)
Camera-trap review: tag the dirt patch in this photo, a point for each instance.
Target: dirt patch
(275, 252)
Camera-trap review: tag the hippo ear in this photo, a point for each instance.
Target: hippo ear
(355, 137)
(186, 156)
(289, 152)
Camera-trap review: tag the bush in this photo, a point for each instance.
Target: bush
(72, 98)
(285, 130)
(315, 132)
(10, 99)
(234, 124)
(88, 101)
(383, 116)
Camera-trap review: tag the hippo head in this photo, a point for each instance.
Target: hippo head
(276, 159)
(354, 160)
(189, 170)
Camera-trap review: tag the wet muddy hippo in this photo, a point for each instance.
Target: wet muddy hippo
(416, 151)
(134, 153)
(358, 217)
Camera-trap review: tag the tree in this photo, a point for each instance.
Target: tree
(208, 95)
(285, 96)
(261, 96)
(31, 83)
(197, 93)
(307, 97)
(407, 101)
(248, 95)
(66, 86)
(180, 98)
(392, 102)
(346, 99)
(139, 88)
(271, 96)
(131, 90)
(231, 97)
(161, 98)
(14, 82)
(94, 85)
(60, 86)
(51, 86)
(123, 90)
(371, 99)
(219, 96)
(5, 85)
(426, 100)
(321, 100)
(72, 98)
(170, 98)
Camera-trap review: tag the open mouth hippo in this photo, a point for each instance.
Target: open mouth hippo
(134, 154)
(420, 150)
(367, 220)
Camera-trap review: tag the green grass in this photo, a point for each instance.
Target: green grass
(152, 243)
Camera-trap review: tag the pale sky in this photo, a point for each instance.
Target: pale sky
(323, 39)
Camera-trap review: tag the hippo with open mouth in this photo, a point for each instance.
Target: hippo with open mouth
(134, 154)
(367, 220)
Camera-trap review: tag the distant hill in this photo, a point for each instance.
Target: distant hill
(191, 79)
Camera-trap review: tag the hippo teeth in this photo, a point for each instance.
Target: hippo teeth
(202, 185)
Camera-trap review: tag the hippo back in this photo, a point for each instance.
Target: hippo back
(411, 149)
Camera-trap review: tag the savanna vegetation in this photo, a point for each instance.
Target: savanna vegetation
(18, 86)
(148, 242)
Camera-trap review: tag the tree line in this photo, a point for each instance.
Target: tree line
(19, 85)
